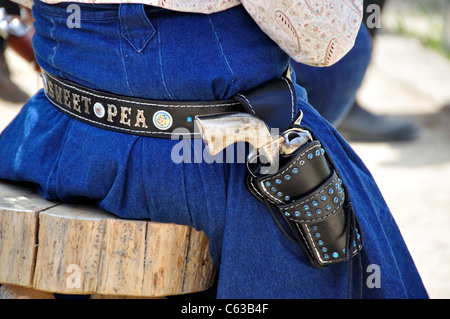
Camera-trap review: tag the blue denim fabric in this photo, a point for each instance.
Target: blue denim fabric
(149, 52)
(332, 90)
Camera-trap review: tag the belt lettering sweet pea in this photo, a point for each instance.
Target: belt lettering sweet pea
(129, 114)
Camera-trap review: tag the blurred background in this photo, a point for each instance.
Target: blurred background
(408, 79)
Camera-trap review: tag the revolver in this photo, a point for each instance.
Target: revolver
(301, 183)
(219, 131)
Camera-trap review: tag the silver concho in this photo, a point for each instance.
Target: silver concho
(162, 120)
(99, 110)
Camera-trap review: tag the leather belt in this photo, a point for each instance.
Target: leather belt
(131, 115)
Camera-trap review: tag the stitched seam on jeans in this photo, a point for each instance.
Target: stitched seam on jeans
(161, 68)
(123, 60)
(144, 24)
(52, 57)
(222, 53)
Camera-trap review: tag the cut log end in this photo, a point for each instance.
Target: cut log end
(75, 249)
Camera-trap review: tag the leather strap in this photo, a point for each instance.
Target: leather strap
(274, 102)
(312, 199)
(128, 114)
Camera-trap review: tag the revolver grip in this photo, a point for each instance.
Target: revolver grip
(221, 130)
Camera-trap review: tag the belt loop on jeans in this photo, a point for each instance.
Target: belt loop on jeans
(131, 115)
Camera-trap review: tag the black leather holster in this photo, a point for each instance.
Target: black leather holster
(306, 192)
(313, 201)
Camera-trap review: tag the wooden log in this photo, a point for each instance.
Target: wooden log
(97, 296)
(189, 253)
(122, 263)
(70, 244)
(81, 249)
(18, 292)
(19, 210)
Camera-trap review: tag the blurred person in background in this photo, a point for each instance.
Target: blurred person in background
(15, 32)
(332, 90)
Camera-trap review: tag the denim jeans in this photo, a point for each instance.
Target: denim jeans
(143, 51)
